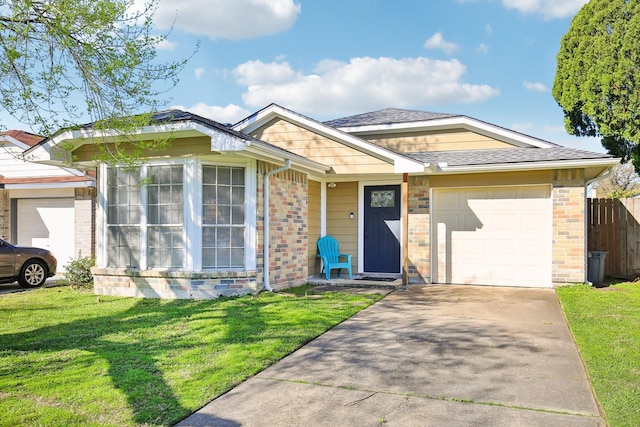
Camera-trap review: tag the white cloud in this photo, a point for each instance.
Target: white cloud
(522, 127)
(482, 48)
(359, 85)
(258, 72)
(227, 19)
(535, 86)
(549, 9)
(488, 29)
(199, 72)
(437, 41)
(554, 129)
(229, 114)
(165, 45)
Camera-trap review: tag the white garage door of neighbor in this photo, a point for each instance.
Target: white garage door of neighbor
(48, 224)
(492, 236)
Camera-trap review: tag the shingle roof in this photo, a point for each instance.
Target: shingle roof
(173, 115)
(387, 116)
(24, 137)
(503, 155)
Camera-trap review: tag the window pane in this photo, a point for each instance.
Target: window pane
(237, 258)
(209, 258)
(176, 214)
(224, 215)
(238, 196)
(208, 214)
(152, 215)
(209, 237)
(224, 238)
(224, 195)
(238, 176)
(224, 176)
(383, 199)
(238, 215)
(237, 237)
(176, 194)
(223, 258)
(209, 174)
(209, 194)
(152, 195)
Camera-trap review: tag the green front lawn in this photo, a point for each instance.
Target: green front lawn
(606, 325)
(72, 358)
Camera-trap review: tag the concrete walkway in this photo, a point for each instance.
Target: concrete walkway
(429, 356)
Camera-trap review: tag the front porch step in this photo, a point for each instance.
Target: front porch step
(356, 282)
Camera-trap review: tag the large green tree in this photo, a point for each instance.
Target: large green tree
(597, 81)
(65, 62)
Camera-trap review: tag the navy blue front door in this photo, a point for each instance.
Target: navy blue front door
(382, 229)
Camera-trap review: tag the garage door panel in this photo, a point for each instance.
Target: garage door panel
(48, 224)
(495, 236)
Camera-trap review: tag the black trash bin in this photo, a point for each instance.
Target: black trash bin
(595, 266)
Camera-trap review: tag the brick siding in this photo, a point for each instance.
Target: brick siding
(289, 244)
(419, 239)
(5, 215)
(568, 263)
(85, 222)
(173, 284)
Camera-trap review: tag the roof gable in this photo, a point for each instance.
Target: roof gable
(400, 162)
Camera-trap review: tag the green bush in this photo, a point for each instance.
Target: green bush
(78, 272)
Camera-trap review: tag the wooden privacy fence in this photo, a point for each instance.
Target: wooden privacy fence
(613, 225)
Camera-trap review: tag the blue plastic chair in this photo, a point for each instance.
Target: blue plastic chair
(330, 255)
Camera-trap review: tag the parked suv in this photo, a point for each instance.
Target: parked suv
(29, 266)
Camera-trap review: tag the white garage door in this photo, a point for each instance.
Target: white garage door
(492, 236)
(49, 224)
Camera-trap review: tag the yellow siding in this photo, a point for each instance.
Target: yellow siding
(483, 179)
(319, 148)
(444, 140)
(341, 201)
(178, 147)
(314, 226)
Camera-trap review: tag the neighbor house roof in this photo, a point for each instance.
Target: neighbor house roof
(24, 137)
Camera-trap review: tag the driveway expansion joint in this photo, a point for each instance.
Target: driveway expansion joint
(427, 397)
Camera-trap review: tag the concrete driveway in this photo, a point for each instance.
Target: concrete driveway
(9, 288)
(429, 356)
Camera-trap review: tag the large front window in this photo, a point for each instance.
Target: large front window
(147, 225)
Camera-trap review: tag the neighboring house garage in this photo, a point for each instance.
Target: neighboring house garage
(44, 206)
(492, 236)
(47, 223)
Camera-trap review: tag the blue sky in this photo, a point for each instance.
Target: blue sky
(493, 60)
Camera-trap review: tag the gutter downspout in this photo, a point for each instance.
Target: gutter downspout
(267, 213)
(586, 225)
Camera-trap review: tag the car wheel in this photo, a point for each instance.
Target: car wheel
(33, 274)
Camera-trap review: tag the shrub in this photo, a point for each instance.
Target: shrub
(78, 272)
